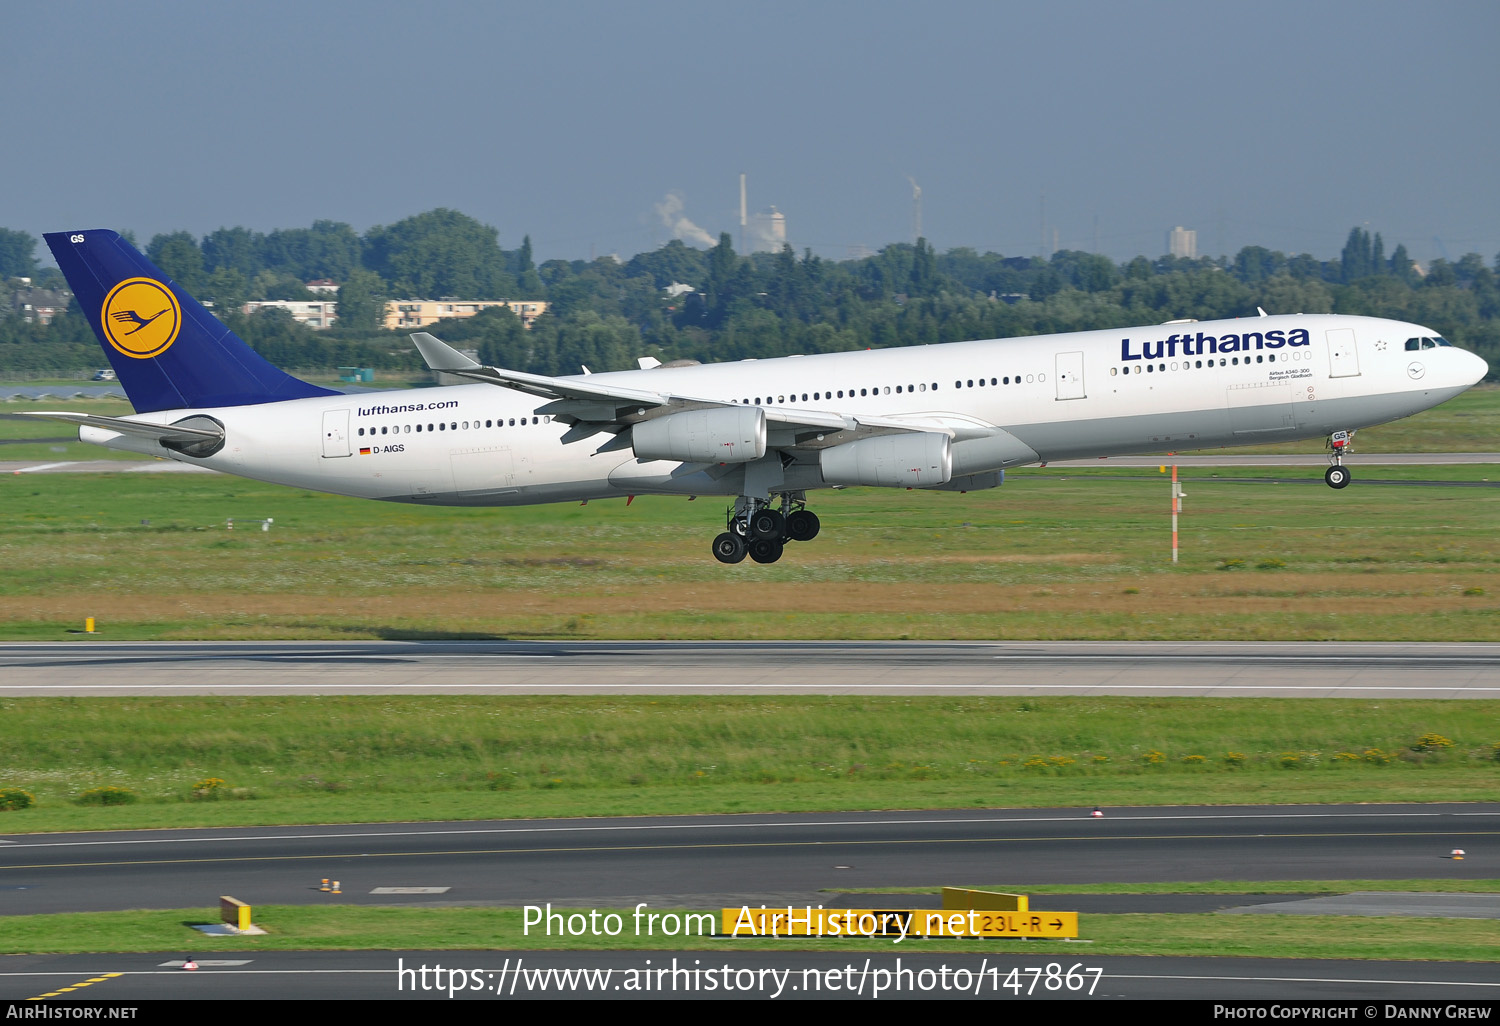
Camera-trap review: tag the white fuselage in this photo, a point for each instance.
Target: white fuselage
(1089, 394)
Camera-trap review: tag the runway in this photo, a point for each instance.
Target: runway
(709, 862)
(723, 861)
(1219, 669)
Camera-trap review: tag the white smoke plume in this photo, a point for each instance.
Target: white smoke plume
(670, 211)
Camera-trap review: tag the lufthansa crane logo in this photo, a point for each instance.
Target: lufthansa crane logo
(141, 317)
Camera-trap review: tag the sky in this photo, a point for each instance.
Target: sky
(611, 127)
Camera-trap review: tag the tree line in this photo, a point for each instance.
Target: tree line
(605, 313)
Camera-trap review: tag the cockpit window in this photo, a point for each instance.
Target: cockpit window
(1413, 344)
(1443, 342)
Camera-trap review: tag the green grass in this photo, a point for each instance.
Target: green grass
(1052, 554)
(350, 759)
(342, 927)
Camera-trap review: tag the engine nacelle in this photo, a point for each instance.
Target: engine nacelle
(721, 435)
(916, 460)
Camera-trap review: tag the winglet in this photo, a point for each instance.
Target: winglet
(439, 355)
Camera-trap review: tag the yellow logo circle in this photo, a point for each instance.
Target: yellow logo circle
(141, 317)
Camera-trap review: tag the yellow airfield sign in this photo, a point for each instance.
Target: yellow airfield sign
(897, 924)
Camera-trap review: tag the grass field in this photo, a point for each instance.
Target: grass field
(1052, 554)
(354, 759)
(1266, 554)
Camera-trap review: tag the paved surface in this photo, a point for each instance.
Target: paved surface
(1379, 903)
(1222, 669)
(1454, 987)
(710, 862)
(724, 861)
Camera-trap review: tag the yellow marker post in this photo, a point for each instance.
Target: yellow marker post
(955, 898)
(88, 625)
(234, 912)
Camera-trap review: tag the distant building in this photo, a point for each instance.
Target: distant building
(408, 314)
(322, 285)
(1182, 242)
(34, 305)
(315, 313)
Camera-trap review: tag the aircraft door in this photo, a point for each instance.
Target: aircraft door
(335, 433)
(1070, 376)
(1343, 355)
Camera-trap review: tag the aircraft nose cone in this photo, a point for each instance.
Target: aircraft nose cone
(1478, 367)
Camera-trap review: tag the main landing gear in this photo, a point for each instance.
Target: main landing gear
(1338, 475)
(757, 529)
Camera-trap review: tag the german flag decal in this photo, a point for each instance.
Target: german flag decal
(364, 452)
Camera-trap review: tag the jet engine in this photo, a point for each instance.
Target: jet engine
(920, 459)
(719, 435)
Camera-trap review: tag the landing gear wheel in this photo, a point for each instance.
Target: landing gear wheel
(802, 525)
(729, 548)
(740, 527)
(767, 523)
(1337, 476)
(765, 550)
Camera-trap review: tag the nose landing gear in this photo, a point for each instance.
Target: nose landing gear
(1338, 475)
(757, 529)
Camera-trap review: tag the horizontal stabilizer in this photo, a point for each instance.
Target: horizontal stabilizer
(139, 429)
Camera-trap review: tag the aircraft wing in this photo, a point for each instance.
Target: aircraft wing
(139, 429)
(593, 407)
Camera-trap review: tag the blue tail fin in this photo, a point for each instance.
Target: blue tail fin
(167, 350)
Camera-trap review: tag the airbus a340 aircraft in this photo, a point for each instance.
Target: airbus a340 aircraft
(765, 432)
